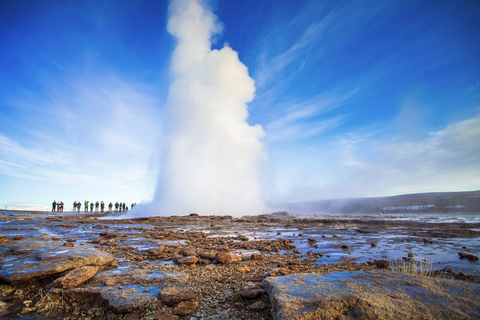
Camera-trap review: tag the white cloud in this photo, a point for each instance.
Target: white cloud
(366, 165)
(299, 121)
(88, 130)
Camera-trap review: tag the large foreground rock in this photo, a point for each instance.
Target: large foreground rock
(30, 261)
(123, 290)
(371, 295)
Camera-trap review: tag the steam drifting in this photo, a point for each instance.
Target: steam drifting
(213, 158)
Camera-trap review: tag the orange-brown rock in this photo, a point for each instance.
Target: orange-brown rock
(173, 295)
(187, 261)
(185, 308)
(227, 257)
(76, 277)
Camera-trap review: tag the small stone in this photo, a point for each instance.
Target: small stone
(188, 261)
(3, 307)
(382, 264)
(71, 239)
(18, 237)
(188, 252)
(278, 272)
(174, 295)
(464, 276)
(27, 310)
(468, 256)
(55, 239)
(227, 257)
(425, 240)
(27, 303)
(259, 305)
(345, 247)
(252, 291)
(185, 308)
(244, 270)
(410, 255)
(256, 256)
(373, 244)
(68, 244)
(164, 315)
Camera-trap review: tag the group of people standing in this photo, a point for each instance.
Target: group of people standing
(57, 206)
(99, 206)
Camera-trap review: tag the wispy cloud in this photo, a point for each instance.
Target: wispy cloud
(368, 165)
(299, 121)
(91, 129)
(270, 67)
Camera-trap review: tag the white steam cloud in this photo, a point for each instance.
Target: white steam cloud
(214, 159)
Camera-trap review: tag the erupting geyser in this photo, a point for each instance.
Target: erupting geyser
(213, 159)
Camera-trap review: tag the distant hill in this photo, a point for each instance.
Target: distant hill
(468, 201)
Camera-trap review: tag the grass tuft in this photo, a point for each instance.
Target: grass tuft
(422, 267)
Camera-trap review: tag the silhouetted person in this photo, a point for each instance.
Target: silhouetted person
(91, 206)
(75, 206)
(79, 206)
(61, 206)
(123, 206)
(116, 207)
(54, 206)
(86, 206)
(96, 206)
(102, 206)
(110, 206)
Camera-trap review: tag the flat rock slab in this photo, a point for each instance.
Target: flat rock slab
(124, 290)
(371, 295)
(32, 261)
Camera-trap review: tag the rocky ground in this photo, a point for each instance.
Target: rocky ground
(75, 266)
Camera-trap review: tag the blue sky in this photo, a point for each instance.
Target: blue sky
(357, 98)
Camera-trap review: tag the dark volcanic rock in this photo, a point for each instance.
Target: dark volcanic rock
(371, 295)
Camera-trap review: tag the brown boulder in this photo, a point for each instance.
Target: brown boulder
(188, 261)
(256, 256)
(227, 257)
(382, 264)
(188, 252)
(174, 295)
(185, 308)
(252, 290)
